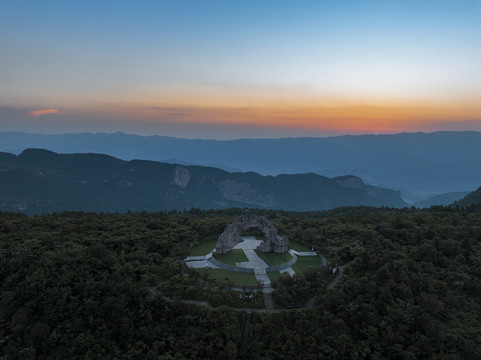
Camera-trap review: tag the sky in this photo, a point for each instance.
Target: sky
(230, 69)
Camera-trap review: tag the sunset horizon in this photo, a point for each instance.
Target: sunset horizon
(247, 69)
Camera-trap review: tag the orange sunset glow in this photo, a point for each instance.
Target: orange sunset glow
(337, 116)
(312, 70)
(40, 112)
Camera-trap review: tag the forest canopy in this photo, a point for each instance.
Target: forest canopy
(80, 285)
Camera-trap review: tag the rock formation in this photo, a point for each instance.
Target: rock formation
(181, 176)
(232, 235)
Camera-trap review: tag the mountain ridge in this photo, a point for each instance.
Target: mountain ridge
(39, 181)
(418, 164)
(441, 199)
(473, 198)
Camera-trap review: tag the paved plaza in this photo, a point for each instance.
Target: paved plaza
(231, 239)
(248, 246)
(255, 264)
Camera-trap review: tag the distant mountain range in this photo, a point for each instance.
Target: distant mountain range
(418, 164)
(39, 181)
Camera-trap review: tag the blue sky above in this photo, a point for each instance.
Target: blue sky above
(114, 62)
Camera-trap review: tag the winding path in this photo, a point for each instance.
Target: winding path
(308, 305)
(337, 278)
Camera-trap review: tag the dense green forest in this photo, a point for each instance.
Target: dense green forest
(94, 286)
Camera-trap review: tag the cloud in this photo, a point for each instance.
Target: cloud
(39, 112)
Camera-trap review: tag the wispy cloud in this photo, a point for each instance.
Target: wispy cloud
(40, 112)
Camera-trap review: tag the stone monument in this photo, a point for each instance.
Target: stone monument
(232, 235)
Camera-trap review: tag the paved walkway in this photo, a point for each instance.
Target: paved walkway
(249, 242)
(302, 253)
(288, 270)
(201, 264)
(268, 301)
(255, 262)
(262, 278)
(194, 258)
(324, 260)
(258, 266)
(340, 271)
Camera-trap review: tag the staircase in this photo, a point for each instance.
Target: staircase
(268, 301)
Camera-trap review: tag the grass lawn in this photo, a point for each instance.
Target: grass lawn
(304, 262)
(273, 259)
(203, 249)
(298, 247)
(235, 277)
(274, 276)
(233, 256)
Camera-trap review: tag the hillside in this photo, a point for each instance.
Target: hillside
(418, 164)
(441, 199)
(473, 198)
(39, 181)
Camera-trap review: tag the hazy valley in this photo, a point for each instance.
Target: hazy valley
(420, 165)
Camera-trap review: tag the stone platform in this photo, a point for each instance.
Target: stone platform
(255, 265)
